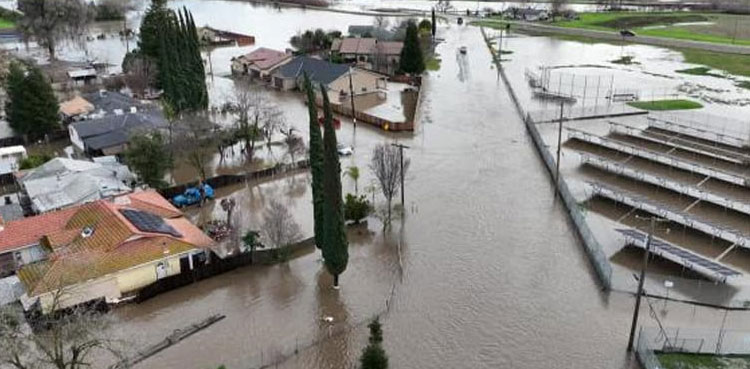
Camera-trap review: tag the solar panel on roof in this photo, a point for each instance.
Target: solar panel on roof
(147, 222)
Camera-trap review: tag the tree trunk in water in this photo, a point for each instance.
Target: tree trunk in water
(335, 281)
(51, 50)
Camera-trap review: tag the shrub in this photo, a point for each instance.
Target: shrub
(356, 208)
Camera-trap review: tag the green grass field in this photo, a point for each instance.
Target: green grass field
(433, 63)
(666, 105)
(695, 361)
(4, 23)
(726, 28)
(732, 63)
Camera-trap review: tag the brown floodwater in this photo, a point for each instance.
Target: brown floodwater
(484, 270)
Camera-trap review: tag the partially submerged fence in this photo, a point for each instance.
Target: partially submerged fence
(230, 179)
(654, 341)
(592, 246)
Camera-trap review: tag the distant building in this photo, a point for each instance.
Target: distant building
(216, 37)
(84, 76)
(527, 14)
(75, 108)
(369, 53)
(61, 183)
(105, 250)
(261, 63)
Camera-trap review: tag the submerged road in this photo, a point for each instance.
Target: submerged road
(493, 275)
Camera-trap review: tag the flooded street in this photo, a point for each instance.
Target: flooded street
(484, 270)
(493, 274)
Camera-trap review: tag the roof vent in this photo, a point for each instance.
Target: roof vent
(86, 232)
(133, 109)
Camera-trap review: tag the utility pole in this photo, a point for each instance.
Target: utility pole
(401, 154)
(351, 95)
(500, 48)
(642, 278)
(559, 147)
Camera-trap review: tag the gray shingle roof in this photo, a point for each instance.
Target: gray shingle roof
(110, 101)
(113, 130)
(320, 71)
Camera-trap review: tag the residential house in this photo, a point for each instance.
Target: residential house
(75, 109)
(61, 183)
(369, 53)
(20, 239)
(83, 76)
(105, 250)
(216, 37)
(99, 104)
(10, 158)
(334, 76)
(109, 135)
(527, 14)
(261, 63)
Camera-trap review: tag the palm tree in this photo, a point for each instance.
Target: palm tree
(353, 173)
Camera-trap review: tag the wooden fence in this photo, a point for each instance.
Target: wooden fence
(215, 266)
(230, 179)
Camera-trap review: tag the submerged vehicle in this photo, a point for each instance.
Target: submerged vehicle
(192, 196)
(462, 50)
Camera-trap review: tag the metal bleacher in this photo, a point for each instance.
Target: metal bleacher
(688, 259)
(658, 157)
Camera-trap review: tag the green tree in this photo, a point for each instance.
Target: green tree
(412, 60)
(356, 208)
(316, 163)
(335, 245)
(149, 158)
(374, 356)
(31, 107)
(353, 173)
(251, 240)
(153, 23)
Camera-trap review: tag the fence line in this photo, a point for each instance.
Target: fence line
(591, 245)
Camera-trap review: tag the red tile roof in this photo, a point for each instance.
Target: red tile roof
(114, 244)
(265, 58)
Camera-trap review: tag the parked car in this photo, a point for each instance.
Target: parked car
(627, 33)
(192, 196)
(344, 150)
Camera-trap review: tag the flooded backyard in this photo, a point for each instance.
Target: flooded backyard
(484, 270)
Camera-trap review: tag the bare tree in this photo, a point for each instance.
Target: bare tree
(140, 74)
(279, 227)
(51, 21)
(256, 117)
(443, 6)
(195, 141)
(66, 340)
(295, 145)
(386, 166)
(381, 22)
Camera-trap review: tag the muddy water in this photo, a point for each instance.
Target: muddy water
(492, 274)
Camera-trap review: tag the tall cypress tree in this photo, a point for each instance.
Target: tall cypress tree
(412, 60)
(316, 163)
(152, 27)
(335, 245)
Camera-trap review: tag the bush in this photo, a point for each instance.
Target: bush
(33, 161)
(356, 208)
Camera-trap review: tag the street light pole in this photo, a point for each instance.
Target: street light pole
(559, 146)
(642, 278)
(351, 96)
(401, 154)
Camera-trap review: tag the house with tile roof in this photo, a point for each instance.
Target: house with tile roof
(261, 63)
(107, 249)
(369, 53)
